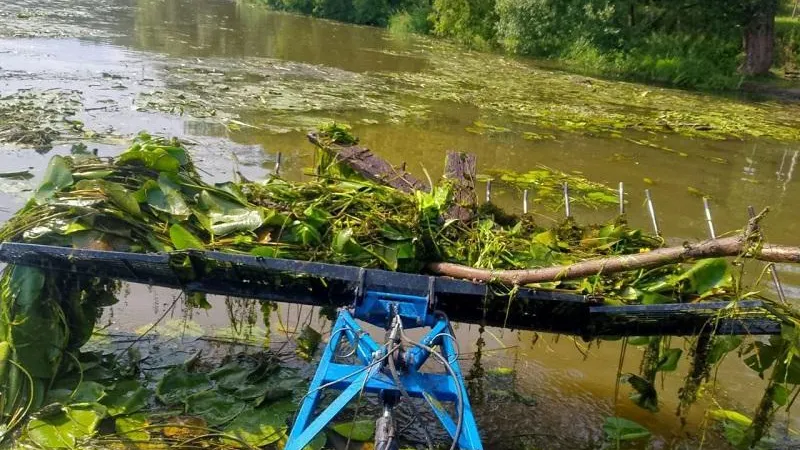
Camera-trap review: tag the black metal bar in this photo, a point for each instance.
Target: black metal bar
(323, 284)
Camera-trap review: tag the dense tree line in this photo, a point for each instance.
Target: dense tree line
(708, 43)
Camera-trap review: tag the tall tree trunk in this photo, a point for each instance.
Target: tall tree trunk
(759, 38)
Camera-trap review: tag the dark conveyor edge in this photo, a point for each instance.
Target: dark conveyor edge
(331, 285)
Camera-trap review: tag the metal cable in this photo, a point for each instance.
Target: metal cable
(455, 380)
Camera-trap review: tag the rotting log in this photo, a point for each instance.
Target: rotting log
(370, 166)
(459, 170)
(713, 248)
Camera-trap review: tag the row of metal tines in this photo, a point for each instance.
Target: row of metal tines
(653, 218)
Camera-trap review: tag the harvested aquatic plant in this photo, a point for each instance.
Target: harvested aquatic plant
(151, 199)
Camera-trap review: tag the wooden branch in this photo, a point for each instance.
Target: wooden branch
(459, 169)
(371, 166)
(714, 248)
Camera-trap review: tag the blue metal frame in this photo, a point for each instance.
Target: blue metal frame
(378, 308)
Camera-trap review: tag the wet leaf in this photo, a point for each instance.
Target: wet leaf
(317, 443)
(228, 217)
(762, 358)
(65, 428)
(38, 337)
(157, 159)
(215, 407)
(308, 342)
(183, 239)
(120, 197)
(645, 394)
(57, 176)
(707, 274)
(669, 360)
(231, 376)
(359, 430)
(133, 427)
(721, 346)
(262, 426)
(619, 429)
(126, 397)
(178, 384)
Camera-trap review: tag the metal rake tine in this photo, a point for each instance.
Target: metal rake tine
(652, 210)
(710, 222)
(525, 201)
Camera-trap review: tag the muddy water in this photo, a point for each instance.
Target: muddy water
(245, 84)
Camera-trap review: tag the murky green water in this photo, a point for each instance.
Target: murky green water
(245, 84)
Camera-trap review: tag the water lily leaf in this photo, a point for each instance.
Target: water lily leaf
(644, 395)
(305, 234)
(57, 176)
(762, 358)
(197, 300)
(38, 337)
(261, 426)
(788, 371)
(63, 429)
(721, 346)
(316, 217)
(317, 443)
(308, 342)
(126, 397)
(158, 159)
(619, 429)
(133, 427)
(178, 384)
(707, 274)
(183, 239)
(781, 395)
(88, 392)
(120, 197)
(669, 360)
(215, 407)
(359, 430)
(231, 376)
(164, 195)
(227, 217)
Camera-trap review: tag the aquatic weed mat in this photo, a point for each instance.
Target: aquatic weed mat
(59, 18)
(537, 101)
(37, 119)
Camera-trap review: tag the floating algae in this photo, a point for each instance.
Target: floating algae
(151, 198)
(37, 119)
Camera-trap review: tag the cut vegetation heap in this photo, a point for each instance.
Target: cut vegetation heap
(151, 199)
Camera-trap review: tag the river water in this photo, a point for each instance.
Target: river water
(245, 84)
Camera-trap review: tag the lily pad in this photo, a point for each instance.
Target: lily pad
(262, 426)
(359, 430)
(64, 429)
(619, 429)
(133, 427)
(178, 384)
(215, 407)
(127, 397)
